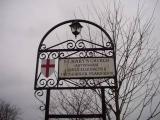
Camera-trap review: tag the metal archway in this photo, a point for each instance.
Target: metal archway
(75, 47)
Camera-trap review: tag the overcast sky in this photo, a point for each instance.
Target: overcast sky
(22, 25)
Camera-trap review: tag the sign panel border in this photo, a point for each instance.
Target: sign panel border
(87, 77)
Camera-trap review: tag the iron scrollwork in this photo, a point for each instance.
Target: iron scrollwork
(47, 83)
(39, 94)
(80, 48)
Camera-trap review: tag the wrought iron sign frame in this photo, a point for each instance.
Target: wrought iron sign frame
(82, 49)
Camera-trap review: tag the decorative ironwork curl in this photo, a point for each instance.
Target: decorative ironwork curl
(61, 54)
(109, 53)
(82, 83)
(70, 44)
(43, 47)
(90, 54)
(60, 83)
(108, 45)
(91, 82)
(38, 94)
(47, 83)
(53, 55)
(42, 107)
(42, 82)
(80, 44)
(82, 54)
(51, 83)
(43, 55)
(86, 54)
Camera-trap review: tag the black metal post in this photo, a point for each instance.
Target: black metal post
(103, 103)
(47, 105)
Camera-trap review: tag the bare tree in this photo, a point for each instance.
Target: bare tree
(75, 102)
(137, 57)
(137, 84)
(9, 112)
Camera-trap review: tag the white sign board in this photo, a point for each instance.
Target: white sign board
(75, 68)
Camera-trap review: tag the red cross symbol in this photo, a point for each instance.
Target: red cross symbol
(47, 67)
